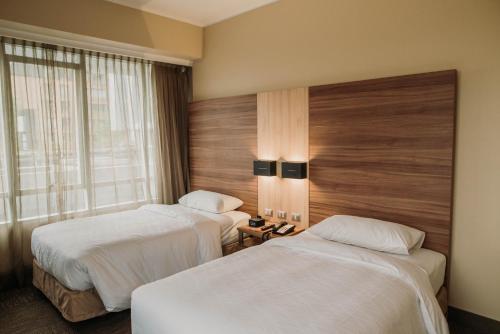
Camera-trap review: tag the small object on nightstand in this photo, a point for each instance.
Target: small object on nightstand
(259, 235)
(278, 226)
(284, 229)
(256, 222)
(267, 227)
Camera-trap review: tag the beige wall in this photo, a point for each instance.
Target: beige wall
(106, 20)
(296, 42)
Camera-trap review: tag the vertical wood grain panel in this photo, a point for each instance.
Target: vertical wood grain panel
(384, 148)
(223, 145)
(283, 134)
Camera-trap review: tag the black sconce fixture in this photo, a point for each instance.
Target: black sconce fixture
(264, 167)
(294, 170)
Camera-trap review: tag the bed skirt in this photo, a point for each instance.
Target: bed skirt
(74, 305)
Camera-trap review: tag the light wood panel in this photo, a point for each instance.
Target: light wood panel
(223, 145)
(384, 149)
(283, 134)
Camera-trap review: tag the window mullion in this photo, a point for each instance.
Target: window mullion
(11, 136)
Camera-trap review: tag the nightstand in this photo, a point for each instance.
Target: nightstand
(260, 235)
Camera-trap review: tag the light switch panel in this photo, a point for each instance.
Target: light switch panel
(281, 214)
(268, 212)
(295, 216)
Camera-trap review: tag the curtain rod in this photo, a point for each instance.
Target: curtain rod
(66, 39)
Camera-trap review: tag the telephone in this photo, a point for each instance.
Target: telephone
(283, 228)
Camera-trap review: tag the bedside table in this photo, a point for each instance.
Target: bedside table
(262, 236)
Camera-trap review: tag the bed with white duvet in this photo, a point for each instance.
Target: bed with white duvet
(118, 252)
(301, 284)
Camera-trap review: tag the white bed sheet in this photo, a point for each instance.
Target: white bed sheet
(230, 233)
(433, 263)
(301, 284)
(229, 228)
(118, 252)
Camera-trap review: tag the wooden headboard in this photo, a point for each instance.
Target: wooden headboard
(383, 149)
(222, 147)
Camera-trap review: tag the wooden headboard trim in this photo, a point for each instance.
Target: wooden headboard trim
(384, 149)
(381, 148)
(223, 145)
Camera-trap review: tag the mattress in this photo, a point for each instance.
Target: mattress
(281, 281)
(229, 228)
(229, 233)
(227, 220)
(118, 252)
(433, 263)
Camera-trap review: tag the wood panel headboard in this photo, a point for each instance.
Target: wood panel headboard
(383, 149)
(222, 147)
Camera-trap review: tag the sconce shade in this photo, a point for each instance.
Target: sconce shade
(264, 167)
(294, 170)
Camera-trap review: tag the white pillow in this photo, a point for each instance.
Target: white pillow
(370, 233)
(210, 201)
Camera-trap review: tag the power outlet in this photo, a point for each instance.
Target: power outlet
(281, 214)
(268, 212)
(295, 216)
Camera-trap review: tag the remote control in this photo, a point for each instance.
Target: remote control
(267, 227)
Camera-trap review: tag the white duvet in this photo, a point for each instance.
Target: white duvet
(301, 284)
(118, 252)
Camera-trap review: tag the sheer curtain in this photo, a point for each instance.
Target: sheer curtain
(77, 138)
(122, 132)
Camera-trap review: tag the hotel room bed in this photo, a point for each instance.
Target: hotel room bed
(301, 284)
(380, 148)
(90, 266)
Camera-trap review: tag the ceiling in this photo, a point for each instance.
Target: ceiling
(198, 12)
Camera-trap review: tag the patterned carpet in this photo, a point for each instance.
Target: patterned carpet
(27, 311)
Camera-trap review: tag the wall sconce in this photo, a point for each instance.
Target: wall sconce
(264, 167)
(294, 170)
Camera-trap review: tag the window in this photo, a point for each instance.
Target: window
(120, 118)
(48, 152)
(82, 132)
(4, 187)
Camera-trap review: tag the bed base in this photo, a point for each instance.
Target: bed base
(78, 306)
(442, 298)
(82, 305)
(74, 305)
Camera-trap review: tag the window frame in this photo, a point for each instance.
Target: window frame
(77, 67)
(83, 143)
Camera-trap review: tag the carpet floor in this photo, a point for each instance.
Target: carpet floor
(27, 311)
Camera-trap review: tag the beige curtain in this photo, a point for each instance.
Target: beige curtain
(173, 89)
(77, 138)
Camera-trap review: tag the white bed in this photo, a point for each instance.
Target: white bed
(301, 284)
(118, 252)
(433, 263)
